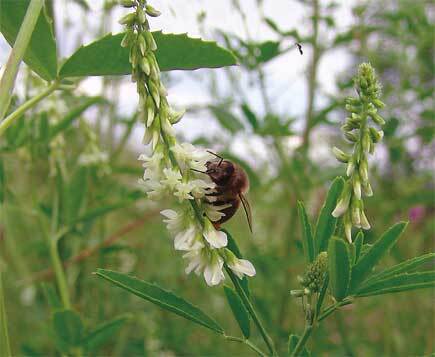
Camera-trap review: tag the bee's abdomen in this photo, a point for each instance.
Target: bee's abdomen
(229, 211)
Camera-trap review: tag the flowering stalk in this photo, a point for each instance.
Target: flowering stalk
(172, 168)
(364, 138)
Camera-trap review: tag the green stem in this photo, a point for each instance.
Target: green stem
(248, 343)
(329, 310)
(4, 335)
(60, 274)
(9, 71)
(251, 310)
(8, 121)
(302, 340)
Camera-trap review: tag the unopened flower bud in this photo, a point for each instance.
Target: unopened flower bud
(355, 212)
(377, 119)
(367, 189)
(347, 222)
(150, 41)
(378, 103)
(366, 141)
(141, 15)
(340, 155)
(175, 116)
(363, 170)
(127, 39)
(128, 19)
(356, 183)
(155, 93)
(127, 3)
(343, 201)
(144, 64)
(364, 222)
(151, 11)
(376, 135)
(315, 274)
(351, 136)
(350, 168)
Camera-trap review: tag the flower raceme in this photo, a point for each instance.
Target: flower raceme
(364, 139)
(170, 168)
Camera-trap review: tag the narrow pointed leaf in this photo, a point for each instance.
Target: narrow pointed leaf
(398, 283)
(103, 333)
(40, 55)
(368, 261)
(326, 222)
(232, 245)
(407, 266)
(339, 266)
(160, 297)
(239, 311)
(307, 235)
(105, 56)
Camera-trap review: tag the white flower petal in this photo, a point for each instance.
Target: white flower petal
(217, 239)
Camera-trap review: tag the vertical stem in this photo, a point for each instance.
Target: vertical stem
(312, 76)
(251, 310)
(59, 273)
(4, 335)
(302, 340)
(9, 71)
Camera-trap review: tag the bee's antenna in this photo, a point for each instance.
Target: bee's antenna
(202, 172)
(220, 157)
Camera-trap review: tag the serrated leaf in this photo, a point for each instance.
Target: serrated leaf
(326, 222)
(68, 328)
(339, 267)
(407, 266)
(307, 235)
(40, 55)
(72, 115)
(102, 333)
(292, 343)
(174, 51)
(160, 297)
(232, 245)
(399, 283)
(358, 243)
(239, 311)
(368, 261)
(226, 119)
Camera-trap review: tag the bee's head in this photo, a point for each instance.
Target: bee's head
(219, 171)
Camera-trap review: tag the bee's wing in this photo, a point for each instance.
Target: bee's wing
(247, 209)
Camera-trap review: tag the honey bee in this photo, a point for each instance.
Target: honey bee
(232, 183)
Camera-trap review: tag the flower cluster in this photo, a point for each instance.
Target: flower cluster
(364, 138)
(314, 276)
(174, 169)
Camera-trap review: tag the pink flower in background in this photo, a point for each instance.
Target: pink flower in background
(416, 213)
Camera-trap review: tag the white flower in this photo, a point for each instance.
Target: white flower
(217, 239)
(174, 220)
(189, 239)
(208, 263)
(152, 163)
(182, 191)
(241, 267)
(214, 213)
(200, 188)
(188, 156)
(172, 178)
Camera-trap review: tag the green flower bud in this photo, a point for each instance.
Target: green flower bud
(377, 119)
(150, 41)
(367, 189)
(141, 15)
(356, 183)
(351, 136)
(315, 274)
(366, 141)
(364, 222)
(174, 116)
(340, 155)
(150, 111)
(127, 3)
(343, 201)
(154, 90)
(127, 40)
(151, 11)
(145, 65)
(363, 170)
(378, 103)
(128, 19)
(376, 135)
(142, 45)
(347, 222)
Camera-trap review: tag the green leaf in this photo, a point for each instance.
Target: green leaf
(72, 115)
(160, 297)
(226, 119)
(68, 329)
(326, 222)
(232, 245)
(339, 267)
(398, 283)
(250, 116)
(405, 267)
(51, 296)
(307, 235)
(367, 262)
(292, 343)
(174, 51)
(239, 311)
(76, 193)
(103, 333)
(40, 55)
(358, 243)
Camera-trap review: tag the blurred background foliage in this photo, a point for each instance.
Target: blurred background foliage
(109, 222)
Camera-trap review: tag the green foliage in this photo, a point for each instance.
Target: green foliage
(163, 298)
(106, 56)
(239, 311)
(292, 342)
(307, 235)
(68, 328)
(226, 119)
(367, 262)
(339, 266)
(326, 222)
(41, 53)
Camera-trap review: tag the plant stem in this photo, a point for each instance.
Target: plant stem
(9, 71)
(303, 340)
(329, 310)
(4, 335)
(60, 274)
(251, 310)
(246, 342)
(8, 121)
